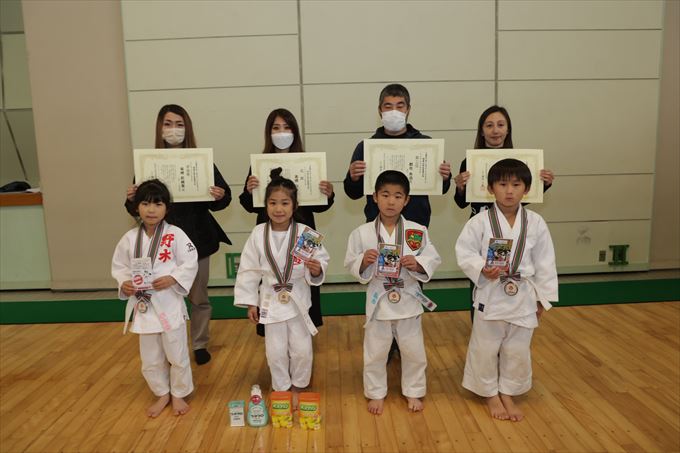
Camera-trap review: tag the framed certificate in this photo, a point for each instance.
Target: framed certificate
(418, 159)
(188, 172)
(306, 170)
(479, 161)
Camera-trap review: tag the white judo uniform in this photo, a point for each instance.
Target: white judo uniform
(499, 356)
(162, 328)
(386, 320)
(288, 328)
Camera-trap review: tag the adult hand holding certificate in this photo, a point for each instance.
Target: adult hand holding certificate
(418, 159)
(479, 161)
(306, 170)
(188, 172)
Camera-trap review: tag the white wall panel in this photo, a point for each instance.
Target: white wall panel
(578, 244)
(586, 127)
(597, 198)
(371, 41)
(156, 19)
(434, 105)
(229, 120)
(535, 55)
(17, 89)
(212, 62)
(579, 14)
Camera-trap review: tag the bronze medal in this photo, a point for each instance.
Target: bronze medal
(394, 296)
(284, 297)
(510, 288)
(142, 306)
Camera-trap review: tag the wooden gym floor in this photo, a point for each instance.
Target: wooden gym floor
(606, 378)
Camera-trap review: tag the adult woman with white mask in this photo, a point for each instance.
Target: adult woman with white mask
(174, 129)
(282, 135)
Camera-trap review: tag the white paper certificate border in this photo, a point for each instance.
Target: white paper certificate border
(479, 161)
(406, 156)
(149, 162)
(306, 170)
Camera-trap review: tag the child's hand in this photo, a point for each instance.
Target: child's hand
(131, 191)
(163, 282)
(370, 257)
(539, 310)
(410, 263)
(252, 314)
(128, 288)
(491, 273)
(252, 183)
(314, 267)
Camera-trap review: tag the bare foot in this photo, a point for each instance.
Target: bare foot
(156, 408)
(376, 406)
(514, 413)
(415, 404)
(496, 408)
(179, 406)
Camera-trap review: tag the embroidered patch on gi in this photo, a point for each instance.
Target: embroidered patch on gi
(480, 307)
(414, 238)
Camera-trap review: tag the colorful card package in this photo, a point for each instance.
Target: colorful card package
(310, 410)
(282, 409)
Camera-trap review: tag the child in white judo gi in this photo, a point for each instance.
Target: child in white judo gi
(509, 299)
(155, 266)
(272, 279)
(394, 305)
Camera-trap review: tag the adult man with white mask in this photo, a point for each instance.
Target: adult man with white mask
(394, 107)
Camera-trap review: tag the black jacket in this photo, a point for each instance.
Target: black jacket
(195, 220)
(418, 208)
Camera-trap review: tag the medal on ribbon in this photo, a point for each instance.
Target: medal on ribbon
(511, 279)
(143, 297)
(393, 284)
(283, 288)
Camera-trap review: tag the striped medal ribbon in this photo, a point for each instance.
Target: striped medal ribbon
(144, 298)
(283, 287)
(512, 276)
(392, 285)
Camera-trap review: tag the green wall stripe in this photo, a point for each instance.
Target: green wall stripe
(343, 303)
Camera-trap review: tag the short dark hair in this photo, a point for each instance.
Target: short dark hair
(397, 90)
(506, 169)
(289, 118)
(392, 177)
(280, 182)
(480, 143)
(153, 191)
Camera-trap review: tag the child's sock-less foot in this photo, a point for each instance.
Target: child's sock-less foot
(179, 406)
(514, 412)
(415, 404)
(496, 408)
(156, 408)
(375, 407)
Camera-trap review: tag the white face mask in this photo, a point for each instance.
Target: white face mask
(173, 136)
(283, 140)
(394, 120)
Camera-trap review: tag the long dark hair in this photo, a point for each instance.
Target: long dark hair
(189, 139)
(480, 143)
(289, 118)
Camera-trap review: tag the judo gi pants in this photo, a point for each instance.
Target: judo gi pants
(288, 345)
(377, 341)
(165, 362)
(498, 358)
(201, 310)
